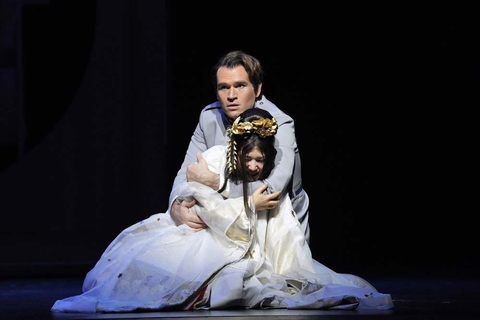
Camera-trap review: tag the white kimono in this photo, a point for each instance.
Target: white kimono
(258, 262)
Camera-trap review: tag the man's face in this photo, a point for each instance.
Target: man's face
(235, 91)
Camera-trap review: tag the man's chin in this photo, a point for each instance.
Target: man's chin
(233, 113)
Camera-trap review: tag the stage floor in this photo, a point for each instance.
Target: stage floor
(431, 297)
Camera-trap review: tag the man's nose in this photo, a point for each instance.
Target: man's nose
(232, 93)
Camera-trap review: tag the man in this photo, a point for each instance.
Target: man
(238, 81)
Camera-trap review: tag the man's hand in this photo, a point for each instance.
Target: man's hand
(180, 213)
(199, 172)
(265, 201)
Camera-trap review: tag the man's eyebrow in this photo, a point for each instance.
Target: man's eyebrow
(235, 83)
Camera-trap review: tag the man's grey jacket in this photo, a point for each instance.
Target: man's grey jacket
(211, 130)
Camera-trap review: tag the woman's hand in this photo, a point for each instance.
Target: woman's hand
(265, 201)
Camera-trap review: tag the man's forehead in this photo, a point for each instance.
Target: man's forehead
(238, 73)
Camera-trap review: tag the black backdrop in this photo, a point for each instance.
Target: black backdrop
(108, 93)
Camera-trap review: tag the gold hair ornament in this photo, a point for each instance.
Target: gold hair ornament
(264, 127)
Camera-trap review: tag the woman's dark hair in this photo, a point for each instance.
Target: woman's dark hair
(244, 144)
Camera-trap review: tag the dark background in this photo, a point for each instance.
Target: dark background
(99, 100)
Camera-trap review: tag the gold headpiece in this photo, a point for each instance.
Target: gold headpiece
(264, 127)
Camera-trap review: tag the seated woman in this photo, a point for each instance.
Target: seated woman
(248, 256)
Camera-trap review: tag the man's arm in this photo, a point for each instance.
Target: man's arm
(180, 211)
(197, 145)
(286, 145)
(199, 172)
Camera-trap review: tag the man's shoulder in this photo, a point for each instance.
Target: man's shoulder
(212, 107)
(211, 112)
(275, 111)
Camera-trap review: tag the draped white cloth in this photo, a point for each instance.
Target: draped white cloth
(258, 262)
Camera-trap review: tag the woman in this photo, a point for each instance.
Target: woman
(247, 257)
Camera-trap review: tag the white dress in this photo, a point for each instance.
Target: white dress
(259, 262)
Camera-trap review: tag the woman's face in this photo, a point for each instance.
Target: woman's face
(254, 163)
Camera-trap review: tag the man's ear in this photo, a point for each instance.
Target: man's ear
(259, 90)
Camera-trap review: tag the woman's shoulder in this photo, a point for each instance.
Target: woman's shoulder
(216, 150)
(215, 157)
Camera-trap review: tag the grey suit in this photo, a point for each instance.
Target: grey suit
(211, 130)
